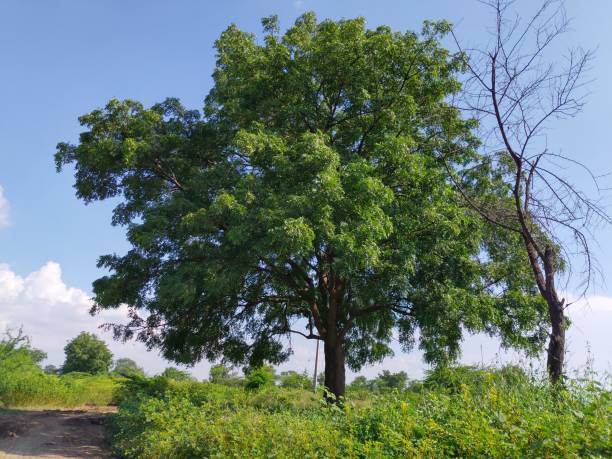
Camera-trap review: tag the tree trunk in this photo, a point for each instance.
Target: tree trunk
(334, 368)
(556, 345)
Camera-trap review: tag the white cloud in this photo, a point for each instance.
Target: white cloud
(52, 312)
(4, 210)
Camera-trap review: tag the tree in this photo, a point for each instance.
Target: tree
(516, 92)
(294, 380)
(176, 374)
(17, 354)
(260, 377)
(88, 354)
(51, 370)
(311, 198)
(388, 381)
(126, 367)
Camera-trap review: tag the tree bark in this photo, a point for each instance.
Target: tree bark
(335, 381)
(556, 345)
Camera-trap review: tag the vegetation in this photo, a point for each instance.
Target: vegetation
(24, 384)
(176, 374)
(126, 367)
(454, 412)
(87, 354)
(310, 197)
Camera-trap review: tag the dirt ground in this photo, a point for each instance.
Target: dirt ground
(53, 433)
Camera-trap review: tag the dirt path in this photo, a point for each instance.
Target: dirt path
(53, 433)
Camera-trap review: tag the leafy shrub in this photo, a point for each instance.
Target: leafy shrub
(295, 380)
(260, 377)
(176, 374)
(464, 412)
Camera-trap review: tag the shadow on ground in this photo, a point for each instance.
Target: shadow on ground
(53, 433)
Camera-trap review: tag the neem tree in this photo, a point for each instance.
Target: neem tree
(311, 198)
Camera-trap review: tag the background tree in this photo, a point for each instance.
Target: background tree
(17, 353)
(294, 380)
(126, 367)
(176, 374)
(516, 88)
(51, 370)
(310, 199)
(88, 354)
(260, 377)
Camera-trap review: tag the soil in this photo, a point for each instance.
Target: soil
(54, 433)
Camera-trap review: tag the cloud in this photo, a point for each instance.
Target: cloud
(4, 210)
(298, 4)
(52, 312)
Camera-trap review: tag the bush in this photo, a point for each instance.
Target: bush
(176, 374)
(295, 380)
(260, 377)
(458, 412)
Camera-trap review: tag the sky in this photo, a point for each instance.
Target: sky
(60, 59)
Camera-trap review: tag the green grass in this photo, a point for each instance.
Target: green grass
(454, 413)
(36, 389)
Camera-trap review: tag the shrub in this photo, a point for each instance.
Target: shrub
(260, 377)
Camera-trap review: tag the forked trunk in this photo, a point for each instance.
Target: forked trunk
(334, 369)
(556, 345)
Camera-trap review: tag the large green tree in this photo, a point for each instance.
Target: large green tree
(311, 197)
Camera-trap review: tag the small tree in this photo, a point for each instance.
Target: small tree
(176, 374)
(126, 367)
(260, 377)
(51, 370)
(17, 354)
(295, 380)
(388, 381)
(88, 354)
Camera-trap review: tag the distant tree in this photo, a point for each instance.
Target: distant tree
(295, 380)
(260, 377)
(387, 380)
(126, 367)
(51, 370)
(222, 374)
(311, 198)
(88, 354)
(17, 354)
(360, 383)
(176, 374)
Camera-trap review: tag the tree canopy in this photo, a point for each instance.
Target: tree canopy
(311, 197)
(88, 354)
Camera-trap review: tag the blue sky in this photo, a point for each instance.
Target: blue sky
(62, 58)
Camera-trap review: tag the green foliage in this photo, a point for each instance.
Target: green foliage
(260, 377)
(386, 381)
(458, 412)
(125, 367)
(295, 380)
(176, 374)
(24, 384)
(221, 374)
(311, 196)
(88, 354)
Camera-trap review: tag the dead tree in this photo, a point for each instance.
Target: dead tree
(516, 91)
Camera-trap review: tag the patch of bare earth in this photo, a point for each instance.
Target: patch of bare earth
(54, 433)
